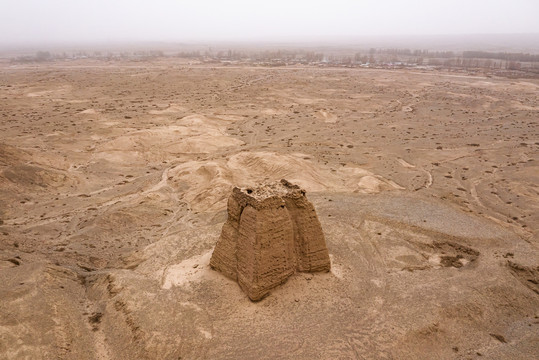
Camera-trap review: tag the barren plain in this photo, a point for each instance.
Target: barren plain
(113, 185)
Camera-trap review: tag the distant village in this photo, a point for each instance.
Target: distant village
(500, 63)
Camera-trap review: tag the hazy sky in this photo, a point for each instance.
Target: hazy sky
(46, 21)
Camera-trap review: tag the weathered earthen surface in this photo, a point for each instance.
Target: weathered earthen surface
(271, 232)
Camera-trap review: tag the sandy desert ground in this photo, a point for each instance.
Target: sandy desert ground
(113, 186)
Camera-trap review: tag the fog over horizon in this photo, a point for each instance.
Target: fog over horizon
(34, 22)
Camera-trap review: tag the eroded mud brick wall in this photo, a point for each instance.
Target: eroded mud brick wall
(271, 232)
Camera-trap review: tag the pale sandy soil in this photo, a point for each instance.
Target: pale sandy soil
(113, 187)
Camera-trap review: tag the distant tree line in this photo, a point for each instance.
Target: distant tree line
(501, 56)
(44, 56)
(189, 54)
(507, 56)
(417, 53)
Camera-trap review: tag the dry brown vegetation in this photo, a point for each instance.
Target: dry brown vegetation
(113, 186)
